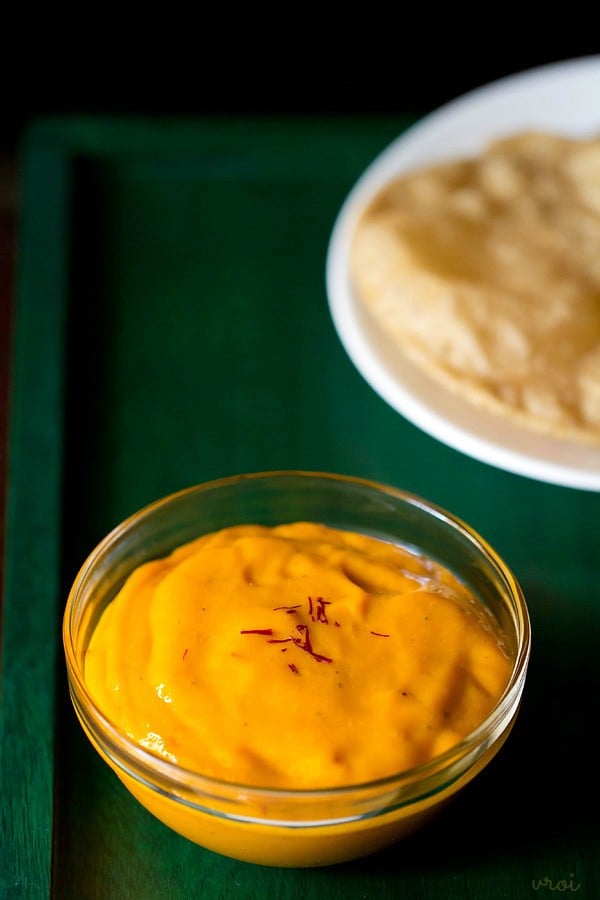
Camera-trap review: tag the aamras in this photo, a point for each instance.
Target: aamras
(297, 656)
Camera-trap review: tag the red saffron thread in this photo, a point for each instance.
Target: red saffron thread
(304, 643)
(288, 609)
(318, 614)
(302, 640)
(379, 634)
(185, 653)
(293, 668)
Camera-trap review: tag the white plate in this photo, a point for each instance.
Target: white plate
(563, 97)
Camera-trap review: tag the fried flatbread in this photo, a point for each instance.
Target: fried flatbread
(486, 273)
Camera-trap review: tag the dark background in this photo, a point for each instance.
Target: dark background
(256, 60)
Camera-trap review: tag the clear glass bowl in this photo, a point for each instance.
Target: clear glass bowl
(294, 827)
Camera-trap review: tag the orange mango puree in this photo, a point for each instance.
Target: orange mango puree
(298, 656)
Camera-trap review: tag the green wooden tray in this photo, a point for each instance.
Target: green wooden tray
(172, 327)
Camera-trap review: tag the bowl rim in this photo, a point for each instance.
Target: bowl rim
(158, 772)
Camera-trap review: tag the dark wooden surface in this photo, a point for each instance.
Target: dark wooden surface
(96, 62)
(174, 232)
(8, 216)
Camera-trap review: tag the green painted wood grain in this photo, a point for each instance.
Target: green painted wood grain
(198, 344)
(33, 534)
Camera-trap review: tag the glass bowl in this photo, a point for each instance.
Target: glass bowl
(278, 827)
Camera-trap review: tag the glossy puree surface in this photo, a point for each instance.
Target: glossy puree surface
(298, 656)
